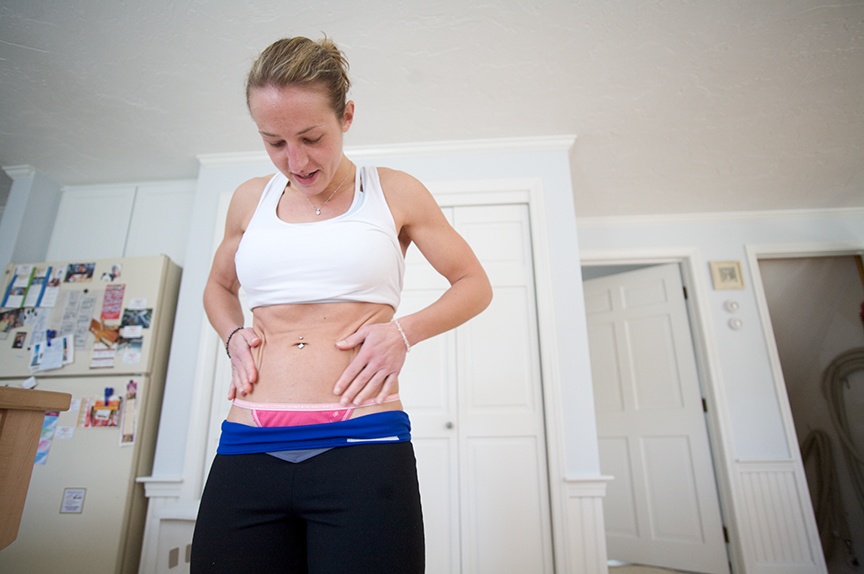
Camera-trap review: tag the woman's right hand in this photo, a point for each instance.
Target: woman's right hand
(243, 371)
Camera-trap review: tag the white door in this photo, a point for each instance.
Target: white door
(475, 400)
(662, 509)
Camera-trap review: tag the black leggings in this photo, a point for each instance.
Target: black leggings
(351, 509)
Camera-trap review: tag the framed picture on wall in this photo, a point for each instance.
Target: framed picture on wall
(727, 275)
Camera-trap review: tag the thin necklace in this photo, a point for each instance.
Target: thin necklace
(338, 187)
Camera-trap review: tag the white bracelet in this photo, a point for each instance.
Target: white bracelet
(404, 338)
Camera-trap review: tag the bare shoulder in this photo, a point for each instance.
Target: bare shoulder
(245, 199)
(399, 182)
(407, 196)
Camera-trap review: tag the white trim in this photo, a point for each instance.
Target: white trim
(232, 159)
(775, 498)
(183, 511)
(424, 149)
(550, 375)
(496, 145)
(720, 216)
(707, 362)
(157, 186)
(789, 250)
(19, 171)
(196, 459)
(587, 485)
(584, 542)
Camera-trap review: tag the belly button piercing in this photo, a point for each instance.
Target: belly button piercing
(301, 344)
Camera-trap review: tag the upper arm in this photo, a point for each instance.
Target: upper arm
(420, 220)
(240, 211)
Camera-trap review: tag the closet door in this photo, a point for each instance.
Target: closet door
(475, 400)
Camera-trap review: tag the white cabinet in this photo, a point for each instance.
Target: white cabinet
(92, 223)
(160, 220)
(128, 220)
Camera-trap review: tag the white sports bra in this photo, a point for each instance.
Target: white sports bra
(353, 257)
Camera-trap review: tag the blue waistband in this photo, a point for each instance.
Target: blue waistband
(388, 426)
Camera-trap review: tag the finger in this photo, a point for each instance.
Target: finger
(348, 376)
(387, 388)
(243, 375)
(253, 340)
(370, 389)
(249, 372)
(234, 390)
(352, 340)
(349, 395)
(239, 387)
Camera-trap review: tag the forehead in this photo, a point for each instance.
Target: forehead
(292, 108)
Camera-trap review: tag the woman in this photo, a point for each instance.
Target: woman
(315, 470)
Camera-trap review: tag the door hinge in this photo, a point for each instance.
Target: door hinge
(685, 292)
(725, 534)
(704, 405)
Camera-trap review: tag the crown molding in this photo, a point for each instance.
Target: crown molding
(720, 216)
(235, 158)
(497, 145)
(19, 171)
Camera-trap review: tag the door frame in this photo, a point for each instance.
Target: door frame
(755, 252)
(787, 251)
(707, 366)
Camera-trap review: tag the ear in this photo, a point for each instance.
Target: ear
(348, 116)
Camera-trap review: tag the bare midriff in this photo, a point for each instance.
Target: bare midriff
(298, 360)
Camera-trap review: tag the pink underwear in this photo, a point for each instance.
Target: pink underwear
(293, 414)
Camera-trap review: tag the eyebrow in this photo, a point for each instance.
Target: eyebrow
(300, 133)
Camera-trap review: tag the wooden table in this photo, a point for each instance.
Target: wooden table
(21, 414)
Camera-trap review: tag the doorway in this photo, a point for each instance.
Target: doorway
(814, 304)
(663, 508)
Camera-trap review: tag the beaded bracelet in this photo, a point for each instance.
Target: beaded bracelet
(229, 340)
(404, 338)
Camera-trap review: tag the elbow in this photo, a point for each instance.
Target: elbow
(485, 297)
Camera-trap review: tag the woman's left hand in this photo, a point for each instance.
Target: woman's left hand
(374, 372)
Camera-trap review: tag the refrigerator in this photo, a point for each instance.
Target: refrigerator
(100, 330)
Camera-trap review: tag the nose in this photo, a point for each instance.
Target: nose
(297, 158)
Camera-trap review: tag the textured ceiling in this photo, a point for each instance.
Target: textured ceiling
(678, 106)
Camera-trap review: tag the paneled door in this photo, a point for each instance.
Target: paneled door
(475, 400)
(662, 508)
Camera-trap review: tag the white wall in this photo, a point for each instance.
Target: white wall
(28, 217)
(744, 368)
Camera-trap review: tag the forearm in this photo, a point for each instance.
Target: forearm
(465, 298)
(223, 309)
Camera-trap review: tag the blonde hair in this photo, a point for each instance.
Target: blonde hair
(301, 61)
